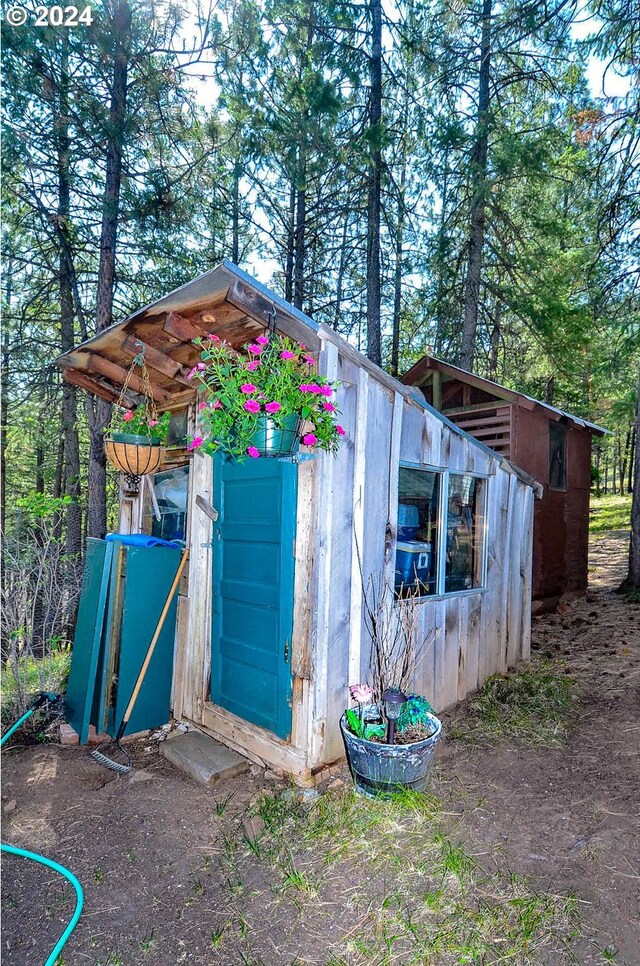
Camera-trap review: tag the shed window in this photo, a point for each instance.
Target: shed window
(418, 527)
(465, 533)
(557, 456)
(171, 490)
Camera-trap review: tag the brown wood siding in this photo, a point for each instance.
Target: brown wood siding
(561, 522)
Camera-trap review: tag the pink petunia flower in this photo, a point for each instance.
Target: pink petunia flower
(252, 406)
(199, 366)
(212, 338)
(216, 404)
(253, 452)
(248, 387)
(287, 355)
(255, 349)
(202, 405)
(128, 416)
(310, 439)
(195, 442)
(330, 408)
(361, 693)
(326, 391)
(153, 422)
(262, 340)
(314, 387)
(341, 431)
(304, 387)
(253, 365)
(310, 360)
(273, 407)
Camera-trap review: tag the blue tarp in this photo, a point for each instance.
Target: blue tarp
(141, 540)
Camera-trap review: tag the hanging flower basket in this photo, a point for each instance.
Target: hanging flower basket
(264, 399)
(134, 459)
(135, 436)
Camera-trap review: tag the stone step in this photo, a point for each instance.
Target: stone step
(203, 758)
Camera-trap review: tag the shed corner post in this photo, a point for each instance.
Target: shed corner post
(318, 708)
(527, 573)
(193, 642)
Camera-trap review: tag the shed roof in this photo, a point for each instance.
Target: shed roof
(416, 375)
(233, 305)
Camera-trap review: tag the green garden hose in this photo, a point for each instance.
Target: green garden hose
(41, 859)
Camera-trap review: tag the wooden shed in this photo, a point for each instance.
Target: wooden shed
(551, 445)
(271, 629)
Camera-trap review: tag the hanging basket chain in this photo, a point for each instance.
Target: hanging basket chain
(149, 401)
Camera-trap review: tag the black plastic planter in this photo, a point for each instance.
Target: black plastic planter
(381, 769)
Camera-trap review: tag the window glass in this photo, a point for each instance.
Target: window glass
(557, 456)
(171, 490)
(178, 428)
(465, 533)
(417, 540)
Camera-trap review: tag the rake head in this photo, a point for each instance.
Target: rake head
(121, 767)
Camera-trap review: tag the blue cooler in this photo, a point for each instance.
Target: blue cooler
(413, 562)
(408, 522)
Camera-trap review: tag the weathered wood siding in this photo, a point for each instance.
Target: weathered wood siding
(468, 636)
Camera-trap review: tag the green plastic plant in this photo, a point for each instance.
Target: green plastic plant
(273, 377)
(414, 713)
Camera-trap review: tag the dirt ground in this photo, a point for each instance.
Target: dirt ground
(172, 872)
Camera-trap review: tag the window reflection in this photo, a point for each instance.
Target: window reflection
(465, 533)
(417, 541)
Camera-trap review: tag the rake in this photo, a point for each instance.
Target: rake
(99, 754)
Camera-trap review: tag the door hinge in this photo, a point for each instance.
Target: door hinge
(286, 652)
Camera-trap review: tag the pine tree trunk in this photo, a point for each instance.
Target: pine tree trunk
(479, 197)
(235, 214)
(301, 222)
(291, 235)
(549, 390)
(4, 408)
(340, 279)
(98, 410)
(624, 457)
(632, 581)
(374, 341)
(70, 483)
(397, 283)
(632, 456)
(442, 247)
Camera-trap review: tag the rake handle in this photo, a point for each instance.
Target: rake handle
(152, 645)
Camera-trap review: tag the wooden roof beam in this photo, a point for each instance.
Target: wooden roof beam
(82, 381)
(118, 375)
(182, 328)
(255, 304)
(155, 359)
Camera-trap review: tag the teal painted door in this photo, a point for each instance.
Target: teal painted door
(253, 574)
